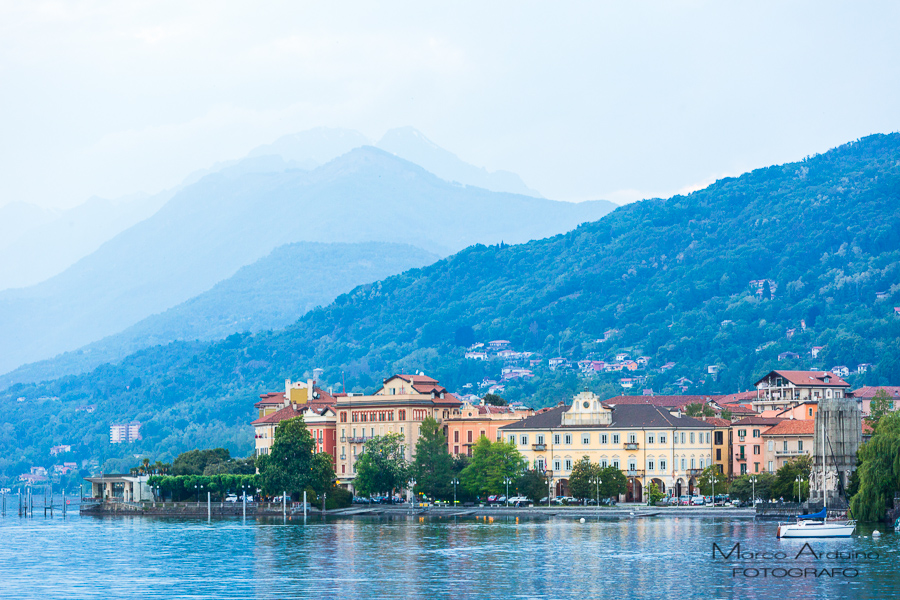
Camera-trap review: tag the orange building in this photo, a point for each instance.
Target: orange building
(478, 421)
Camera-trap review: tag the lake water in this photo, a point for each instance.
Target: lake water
(408, 557)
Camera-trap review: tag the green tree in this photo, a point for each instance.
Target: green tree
(654, 493)
(490, 464)
(699, 410)
(880, 405)
(291, 465)
(382, 468)
(433, 466)
(494, 400)
(583, 479)
(194, 462)
(532, 484)
(879, 470)
(742, 487)
(726, 414)
(612, 482)
(785, 483)
(704, 482)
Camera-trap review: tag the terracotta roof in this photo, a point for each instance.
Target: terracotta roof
(869, 391)
(666, 401)
(624, 416)
(739, 409)
(867, 428)
(717, 421)
(758, 421)
(738, 397)
(270, 399)
(808, 378)
(793, 427)
(288, 412)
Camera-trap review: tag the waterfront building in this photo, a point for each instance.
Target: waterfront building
(865, 394)
(787, 441)
(398, 406)
(783, 389)
(649, 443)
(120, 488)
(300, 398)
(476, 421)
(747, 444)
(721, 445)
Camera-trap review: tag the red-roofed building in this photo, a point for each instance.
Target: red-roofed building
(399, 406)
(747, 443)
(865, 394)
(787, 441)
(476, 421)
(783, 389)
(320, 421)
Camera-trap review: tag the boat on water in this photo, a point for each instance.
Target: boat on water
(817, 526)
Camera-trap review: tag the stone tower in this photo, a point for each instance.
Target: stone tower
(842, 422)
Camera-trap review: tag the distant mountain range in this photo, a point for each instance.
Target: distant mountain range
(271, 293)
(746, 275)
(230, 218)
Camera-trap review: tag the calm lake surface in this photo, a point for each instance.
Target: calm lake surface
(407, 557)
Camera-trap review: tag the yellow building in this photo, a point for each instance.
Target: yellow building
(648, 443)
(476, 421)
(399, 406)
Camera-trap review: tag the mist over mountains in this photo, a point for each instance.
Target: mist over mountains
(238, 214)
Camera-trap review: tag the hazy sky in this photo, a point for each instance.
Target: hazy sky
(616, 100)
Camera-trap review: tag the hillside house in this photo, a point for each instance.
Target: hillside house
(498, 345)
(477, 355)
(814, 352)
(788, 355)
(840, 370)
(783, 389)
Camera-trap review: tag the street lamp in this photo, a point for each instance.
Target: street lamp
(507, 481)
(412, 484)
(799, 494)
(455, 482)
(197, 487)
(549, 485)
(753, 481)
(712, 480)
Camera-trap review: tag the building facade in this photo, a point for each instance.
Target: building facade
(787, 441)
(782, 389)
(399, 406)
(747, 444)
(647, 442)
(476, 421)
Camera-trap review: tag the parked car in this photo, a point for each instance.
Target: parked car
(231, 498)
(697, 501)
(520, 501)
(684, 500)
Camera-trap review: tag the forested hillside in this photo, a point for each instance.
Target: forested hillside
(672, 277)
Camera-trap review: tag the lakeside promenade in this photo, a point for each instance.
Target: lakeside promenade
(265, 509)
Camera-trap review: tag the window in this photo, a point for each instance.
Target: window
(810, 412)
(742, 433)
(523, 440)
(469, 437)
(741, 453)
(799, 445)
(540, 464)
(662, 464)
(682, 437)
(756, 449)
(603, 439)
(344, 416)
(455, 449)
(603, 464)
(556, 438)
(632, 438)
(683, 464)
(718, 437)
(743, 469)
(718, 454)
(585, 439)
(632, 465)
(756, 467)
(771, 467)
(568, 439)
(482, 434)
(707, 437)
(756, 433)
(785, 446)
(693, 466)
(343, 469)
(402, 415)
(650, 465)
(692, 437)
(540, 438)
(456, 436)
(616, 463)
(650, 438)
(568, 464)
(556, 465)
(771, 445)
(512, 439)
(615, 438)
(662, 438)
(701, 464)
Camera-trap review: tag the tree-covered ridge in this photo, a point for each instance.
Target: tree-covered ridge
(672, 276)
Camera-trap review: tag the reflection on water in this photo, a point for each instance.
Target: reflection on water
(408, 557)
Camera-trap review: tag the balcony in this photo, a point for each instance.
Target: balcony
(362, 439)
(634, 473)
(539, 447)
(791, 452)
(631, 445)
(343, 439)
(343, 457)
(741, 458)
(694, 472)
